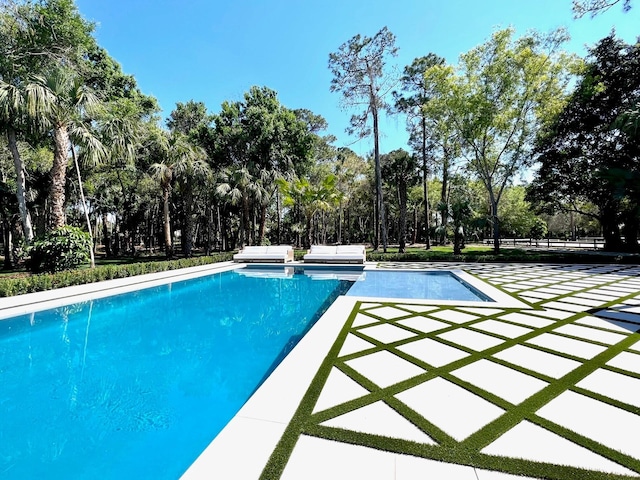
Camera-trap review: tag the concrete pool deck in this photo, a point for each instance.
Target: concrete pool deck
(544, 381)
(401, 390)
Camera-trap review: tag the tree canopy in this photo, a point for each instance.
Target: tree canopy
(584, 156)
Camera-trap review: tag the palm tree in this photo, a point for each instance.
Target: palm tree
(237, 186)
(13, 104)
(184, 163)
(311, 198)
(58, 100)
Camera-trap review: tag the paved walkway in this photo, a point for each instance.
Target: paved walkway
(415, 391)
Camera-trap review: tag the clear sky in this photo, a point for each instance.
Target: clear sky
(214, 50)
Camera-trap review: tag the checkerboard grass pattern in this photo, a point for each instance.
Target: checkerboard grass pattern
(551, 354)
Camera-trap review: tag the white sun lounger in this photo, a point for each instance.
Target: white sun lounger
(263, 253)
(337, 254)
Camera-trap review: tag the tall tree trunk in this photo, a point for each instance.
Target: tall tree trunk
(495, 223)
(7, 240)
(402, 228)
(263, 223)
(279, 213)
(414, 238)
(444, 201)
(59, 176)
(309, 228)
(84, 206)
(382, 221)
(21, 185)
(105, 235)
(425, 186)
(168, 244)
(187, 234)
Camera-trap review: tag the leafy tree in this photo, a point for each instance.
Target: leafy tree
(358, 69)
(417, 94)
(311, 199)
(12, 112)
(594, 7)
(184, 162)
(538, 229)
(584, 158)
(502, 92)
(33, 36)
(58, 100)
(400, 170)
(188, 118)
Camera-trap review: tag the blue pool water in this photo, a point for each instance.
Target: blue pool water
(436, 285)
(137, 385)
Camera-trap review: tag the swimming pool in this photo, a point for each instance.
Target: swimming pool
(136, 385)
(438, 285)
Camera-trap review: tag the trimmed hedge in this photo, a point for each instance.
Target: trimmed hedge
(506, 255)
(67, 278)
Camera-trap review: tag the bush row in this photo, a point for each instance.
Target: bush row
(506, 255)
(67, 278)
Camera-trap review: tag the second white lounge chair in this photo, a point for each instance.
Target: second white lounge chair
(263, 253)
(337, 254)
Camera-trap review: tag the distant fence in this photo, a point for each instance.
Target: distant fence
(593, 243)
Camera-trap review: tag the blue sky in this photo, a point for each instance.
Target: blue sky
(213, 50)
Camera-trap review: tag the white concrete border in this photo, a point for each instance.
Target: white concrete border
(260, 423)
(35, 302)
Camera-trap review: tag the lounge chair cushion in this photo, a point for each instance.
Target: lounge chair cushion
(263, 253)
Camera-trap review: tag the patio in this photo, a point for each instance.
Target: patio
(417, 390)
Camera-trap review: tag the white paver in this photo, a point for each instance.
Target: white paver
(482, 311)
(621, 327)
(577, 348)
(570, 307)
(538, 361)
(338, 388)
(362, 319)
(423, 324)
(532, 442)
(388, 313)
(589, 333)
(414, 468)
(613, 385)
(319, 459)
(556, 314)
(526, 319)
(452, 408)
(583, 301)
(502, 381)
(493, 475)
(608, 425)
(419, 308)
(471, 339)
(627, 361)
(502, 328)
(537, 294)
(387, 333)
(353, 344)
(454, 316)
(384, 368)
(596, 296)
(433, 352)
(380, 419)
(250, 435)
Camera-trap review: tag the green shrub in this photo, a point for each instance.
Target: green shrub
(48, 281)
(62, 248)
